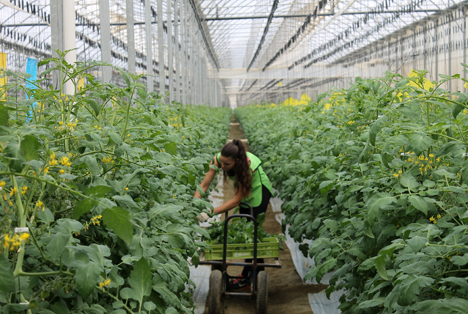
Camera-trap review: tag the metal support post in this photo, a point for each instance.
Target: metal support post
(62, 22)
(177, 50)
(149, 47)
(464, 39)
(183, 42)
(436, 49)
(104, 16)
(425, 46)
(162, 74)
(450, 49)
(170, 60)
(130, 36)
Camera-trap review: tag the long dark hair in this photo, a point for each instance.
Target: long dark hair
(242, 175)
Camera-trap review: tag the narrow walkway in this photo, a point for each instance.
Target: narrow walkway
(287, 293)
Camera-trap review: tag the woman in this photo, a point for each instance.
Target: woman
(251, 185)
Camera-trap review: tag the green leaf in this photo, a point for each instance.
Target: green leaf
(445, 306)
(118, 219)
(171, 310)
(95, 106)
(447, 148)
(420, 142)
(456, 110)
(149, 306)
(92, 164)
(371, 303)
(29, 146)
(459, 260)
(326, 186)
(417, 243)
(127, 201)
(83, 206)
(45, 215)
(141, 280)
(375, 128)
(419, 203)
(4, 116)
(376, 203)
(379, 263)
(13, 153)
(325, 268)
(411, 287)
(125, 76)
(114, 139)
(171, 148)
(87, 276)
(408, 181)
(57, 245)
(98, 190)
(7, 279)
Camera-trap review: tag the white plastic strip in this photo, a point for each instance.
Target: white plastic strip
(201, 277)
(319, 302)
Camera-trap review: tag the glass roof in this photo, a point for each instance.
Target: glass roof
(299, 33)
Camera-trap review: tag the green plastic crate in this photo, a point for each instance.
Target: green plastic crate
(269, 248)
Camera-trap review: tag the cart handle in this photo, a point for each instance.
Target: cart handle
(249, 217)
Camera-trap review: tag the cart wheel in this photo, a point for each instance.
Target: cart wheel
(216, 293)
(262, 293)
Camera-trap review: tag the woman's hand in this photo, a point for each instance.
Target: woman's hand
(203, 217)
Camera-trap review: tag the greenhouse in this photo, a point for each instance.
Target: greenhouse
(233, 156)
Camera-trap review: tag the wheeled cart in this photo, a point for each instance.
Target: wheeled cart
(219, 279)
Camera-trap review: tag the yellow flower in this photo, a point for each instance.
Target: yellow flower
(395, 175)
(128, 134)
(126, 189)
(439, 216)
(9, 202)
(46, 170)
(13, 191)
(105, 283)
(61, 122)
(62, 171)
(52, 156)
(432, 218)
(438, 159)
(39, 203)
(96, 126)
(53, 162)
(2, 184)
(64, 160)
(431, 155)
(69, 164)
(421, 157)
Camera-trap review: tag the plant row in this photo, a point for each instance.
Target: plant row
(96, 190)
(376, 175)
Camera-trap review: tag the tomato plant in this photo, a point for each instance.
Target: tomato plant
(101, 184)
(376, 175)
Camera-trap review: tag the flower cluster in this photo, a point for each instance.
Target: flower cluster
(423, 162)
(105, 283)
(107, 160)
(71, 126)
(39, 205)
(96, 220)
(398, 175)
(433, 220)
(65, 161)
(14, 241)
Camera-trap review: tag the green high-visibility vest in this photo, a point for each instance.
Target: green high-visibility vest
(259, 179)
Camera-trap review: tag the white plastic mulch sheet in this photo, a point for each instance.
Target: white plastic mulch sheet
(201, 275)
(319, 302)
